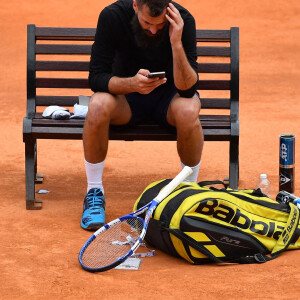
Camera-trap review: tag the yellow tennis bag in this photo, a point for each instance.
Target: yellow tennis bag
(203, 224)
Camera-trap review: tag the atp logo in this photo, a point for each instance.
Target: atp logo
(283, 152)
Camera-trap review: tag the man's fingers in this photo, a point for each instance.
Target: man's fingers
(153, 85)
(143, 72)
(172, 6)
(160, 82)
(170, 20)
(173, 11)
(147, 80)
(174, 18)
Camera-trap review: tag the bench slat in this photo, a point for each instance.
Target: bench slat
(79, 123)
(213, 85)
(62, 65)
(67, 83)
(213, 51)
(78, 83)
(86, 50)
(215, 103)
(56, 100)
(42, 65)
(65, 33)
(224, 118)
(213, 35)
(75, 34)
(138, 134)
(218, 103)
(213, 68)
(207, 121)
(63, 49)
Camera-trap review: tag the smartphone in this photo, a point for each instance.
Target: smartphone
(157, 74)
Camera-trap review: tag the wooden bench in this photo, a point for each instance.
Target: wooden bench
(57, 72)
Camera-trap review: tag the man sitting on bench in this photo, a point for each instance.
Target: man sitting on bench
(135, 37)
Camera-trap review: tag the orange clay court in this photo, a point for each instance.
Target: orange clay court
(39, 249)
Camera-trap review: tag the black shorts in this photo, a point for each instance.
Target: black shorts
(153, 106)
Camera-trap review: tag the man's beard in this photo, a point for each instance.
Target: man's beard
(143, 39)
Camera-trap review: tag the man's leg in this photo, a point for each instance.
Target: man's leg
(104, 109)
(183, 113)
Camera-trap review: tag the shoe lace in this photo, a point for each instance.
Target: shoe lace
(95, 200)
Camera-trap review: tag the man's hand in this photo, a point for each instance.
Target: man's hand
(142, 84)
(139, 83)
(184, 75)
(176, 25)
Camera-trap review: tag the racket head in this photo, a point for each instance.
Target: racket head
(112, 244)
(98, 255)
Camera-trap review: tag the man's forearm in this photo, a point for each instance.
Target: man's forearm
(120, 86)
(184, 75)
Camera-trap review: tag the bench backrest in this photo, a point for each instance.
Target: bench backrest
(58, 63)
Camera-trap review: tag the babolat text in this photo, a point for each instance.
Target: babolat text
(237, 218)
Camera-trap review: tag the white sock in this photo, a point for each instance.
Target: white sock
(94, 175)
(194, 176)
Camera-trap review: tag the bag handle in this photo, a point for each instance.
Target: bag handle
(206, 183)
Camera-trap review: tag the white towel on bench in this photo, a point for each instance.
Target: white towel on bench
(56, 112)
(80, 111)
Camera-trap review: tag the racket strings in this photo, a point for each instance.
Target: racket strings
(113, 243)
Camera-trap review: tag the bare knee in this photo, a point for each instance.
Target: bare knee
(100, 108)
(185, 113)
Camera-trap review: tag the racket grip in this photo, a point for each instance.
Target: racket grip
(171, 186)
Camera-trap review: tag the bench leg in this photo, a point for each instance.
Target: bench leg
(39, 177)
(234, 163)
(30, 175)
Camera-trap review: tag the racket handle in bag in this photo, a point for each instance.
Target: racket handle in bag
(286, 197)
(186, 171)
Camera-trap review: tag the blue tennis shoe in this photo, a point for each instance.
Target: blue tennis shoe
(93, 216)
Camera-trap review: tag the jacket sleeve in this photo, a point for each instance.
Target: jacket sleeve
(190, 48)
(102, 55)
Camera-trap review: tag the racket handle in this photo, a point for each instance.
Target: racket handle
(171, 186)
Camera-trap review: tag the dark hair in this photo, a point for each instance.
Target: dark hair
(156, 7)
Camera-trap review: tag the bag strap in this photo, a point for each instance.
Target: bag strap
(282, 244)
(256, 258)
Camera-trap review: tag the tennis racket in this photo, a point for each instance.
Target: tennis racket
(108, 246)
